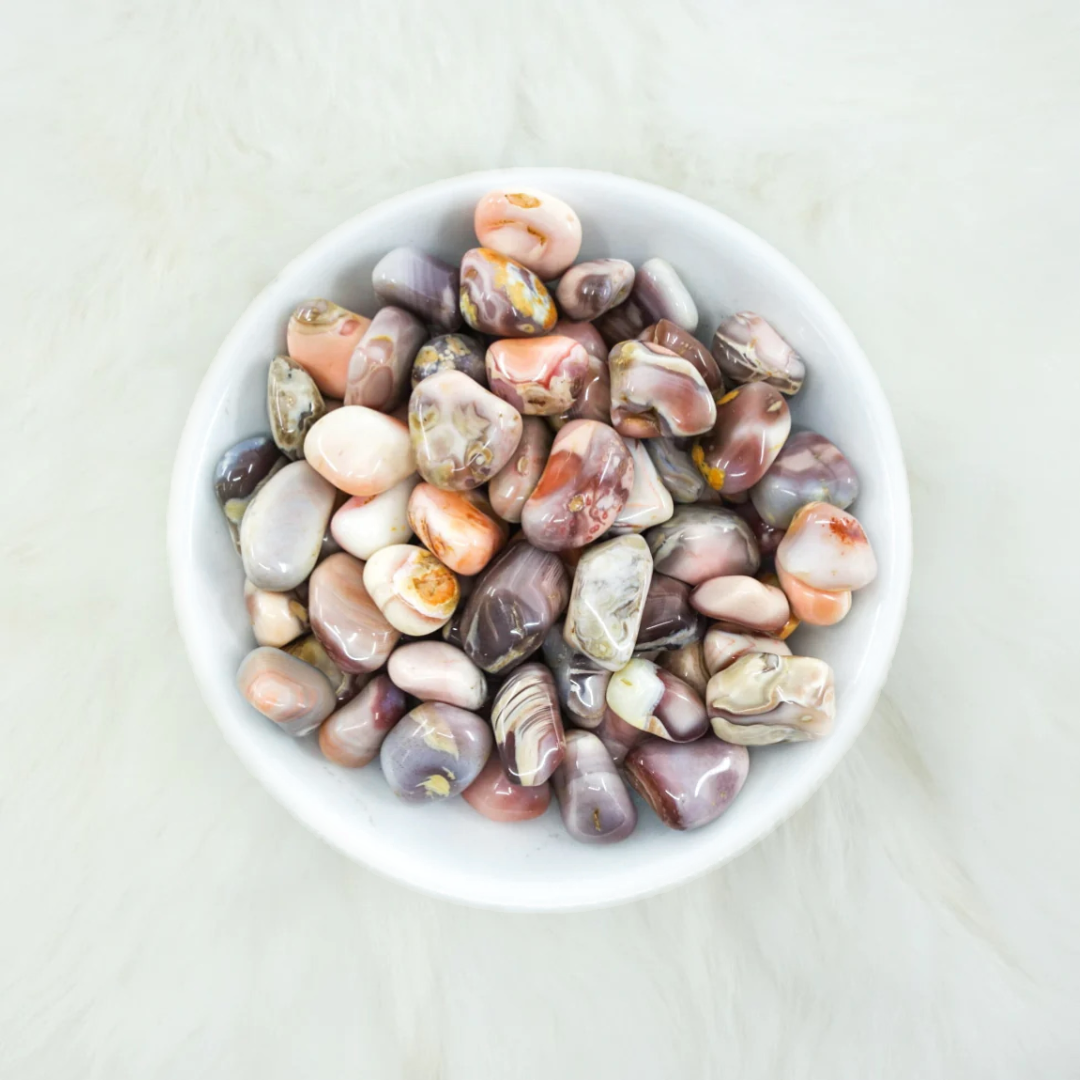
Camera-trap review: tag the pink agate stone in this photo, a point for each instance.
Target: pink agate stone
(539, 376)
(321, 338)
(826, 548)
(586, 482)
(537, 229)
(656, 392)
(498, 798)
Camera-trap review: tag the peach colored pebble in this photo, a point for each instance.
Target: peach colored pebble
(321, 337)
(531, 226)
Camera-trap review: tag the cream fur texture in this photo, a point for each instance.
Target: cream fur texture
(162, 917)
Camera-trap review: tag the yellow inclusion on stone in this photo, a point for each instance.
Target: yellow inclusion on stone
(713, 477)
(436, 785)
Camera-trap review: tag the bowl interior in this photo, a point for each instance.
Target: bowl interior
(448, 849)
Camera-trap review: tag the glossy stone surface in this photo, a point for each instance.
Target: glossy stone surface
(814, 606)
(581, 683)
(617, 736)
(748, 349)
(514, 603)
(498, 798)
(668, 620)
(527, 724)
(450, 352)
(691, 784)
(607, 600)
(688, 664)
(676, 469)
(595, 805)
(671, 336)
(293, 403)
(365, 523)
(239, 473)
(512, 485)
(537, 229)
(345, 617)
(623, 322)
(539, 376)
(654, 392)
(764, 699)
(276, 617)
(645, 696)
(346, 685)
(586, 334)
(282, 530)
(742, 601)
(381, 366)
(421, 284)
(286, 690)
(661, 294)
(702, 542)
(808, 469)
(649, 502)
(436, 671)
(434, 752)
(593, 401)
(752, 424)
(462, 434)
(591, 288)
(459, 528)
(723, 647)
(826, 548)
(588, 477)
(322, 337)
(768, 538)
(413, 589)
(501, 297)
(360, 451)
(353, 735)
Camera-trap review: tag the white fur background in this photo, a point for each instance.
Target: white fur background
(161, 916)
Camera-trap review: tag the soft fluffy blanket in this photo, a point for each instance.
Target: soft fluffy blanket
(161, 916)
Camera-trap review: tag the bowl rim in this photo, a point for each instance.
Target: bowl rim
(183, 488)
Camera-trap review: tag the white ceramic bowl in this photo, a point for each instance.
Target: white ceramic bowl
(448, 849)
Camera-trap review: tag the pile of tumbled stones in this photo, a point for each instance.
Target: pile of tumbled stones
(561, 546)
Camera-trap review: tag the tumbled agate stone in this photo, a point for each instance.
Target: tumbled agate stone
(808, 469)
(501, 297)
(450, 352)
(826, 548)
(595, 805)
(588, 478)
(655, 392)
(748, 349)
(462, 434)
(763, 698)
(282, 530)
(322, 337)
(436, 671)
(528, 726)
(688, 784)
(581, 683)
(514, 603)
(353, 735)
(286, 690)
(591, 288)
(512, 485)
(420, 283)
(702, 542)
(610, 585)
(752, 424)
(537, 229)
(434, 752)
(498, 798)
